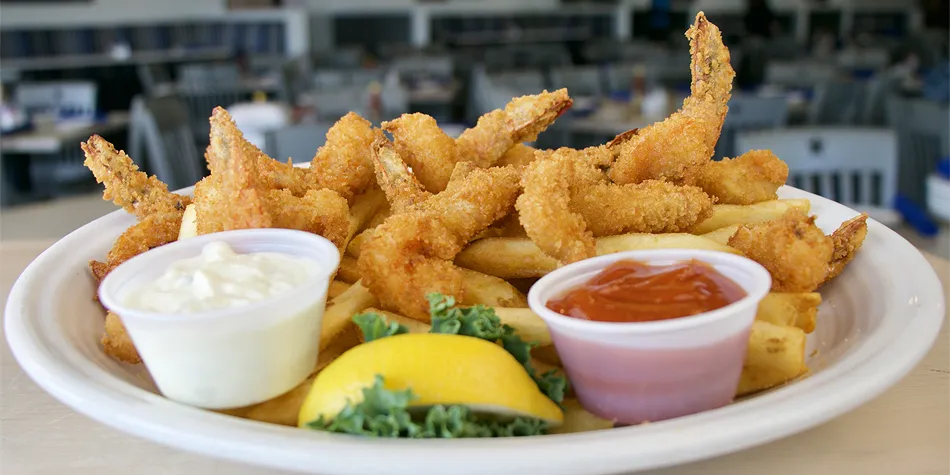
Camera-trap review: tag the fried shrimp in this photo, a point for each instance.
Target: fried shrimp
(154, 230)
(159, 211)
(795, 252)
(344, 163)
(520, 121)
(750, 178)
(520, 155)
(545, 210)
(847, 240)
(432, 155)
(234, 197)
(676, 148)
(410, 254)
(403, 190)
(125, 185)
(568, 201)
(652, 206)
(422, 145)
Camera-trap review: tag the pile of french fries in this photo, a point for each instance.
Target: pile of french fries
(501, 265)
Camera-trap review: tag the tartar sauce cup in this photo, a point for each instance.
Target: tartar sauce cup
(655, 370)
(234, 356)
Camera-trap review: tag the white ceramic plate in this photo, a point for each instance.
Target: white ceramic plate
(878, 320)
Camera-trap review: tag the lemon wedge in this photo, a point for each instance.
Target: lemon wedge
(439, 369)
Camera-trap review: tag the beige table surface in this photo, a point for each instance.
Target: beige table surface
(905, 431)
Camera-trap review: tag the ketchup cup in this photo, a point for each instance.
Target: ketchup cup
(650, 371)
(234, 356)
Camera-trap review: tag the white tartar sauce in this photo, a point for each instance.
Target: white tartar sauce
(220, 278)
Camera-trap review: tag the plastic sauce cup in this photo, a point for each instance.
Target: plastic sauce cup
(651, 371)
(229, 357)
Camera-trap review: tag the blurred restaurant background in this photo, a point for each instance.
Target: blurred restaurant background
(853, 94)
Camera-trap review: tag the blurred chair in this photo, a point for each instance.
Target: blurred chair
(160, 125)
(923, 131)
(855, 167)
(579, 81)
(749, 113)
(837, 102)
(201, 102)
(299, 142)
(155, 78)
(874, 104)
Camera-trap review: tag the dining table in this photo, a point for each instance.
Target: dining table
(905, 430)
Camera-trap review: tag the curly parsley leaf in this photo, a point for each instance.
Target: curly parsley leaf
(385, 413)
(375, 326)
(478, 321)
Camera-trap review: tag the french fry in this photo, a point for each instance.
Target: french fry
(363, 209)
(790, 309)
(630, 242)
(483, 289)
(775, 355)
(353, 248)
(722, 235)
(728, 215)
(348, 271)
(512, 258)
(529, 324)
(189, 225)
(508, 258)
(337, 316)
(336, 288)
(578, 419)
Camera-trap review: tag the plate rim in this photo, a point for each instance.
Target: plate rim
(713, 433)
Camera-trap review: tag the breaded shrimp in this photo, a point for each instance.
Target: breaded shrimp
(125, 185)
(344, 163)
(652, 206)
(403, 190)
(422, 145)
(847, 240)
(234, 197)
(116, 341)
(545, 210)
(410, 254)
(520, 121)
(152, 231)
(750, 178)
(433, 155)
(676, 148)
(239, 198)
(520, 155)
(795, 252)
(322, 212)
(568, 201)
(159, 211)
